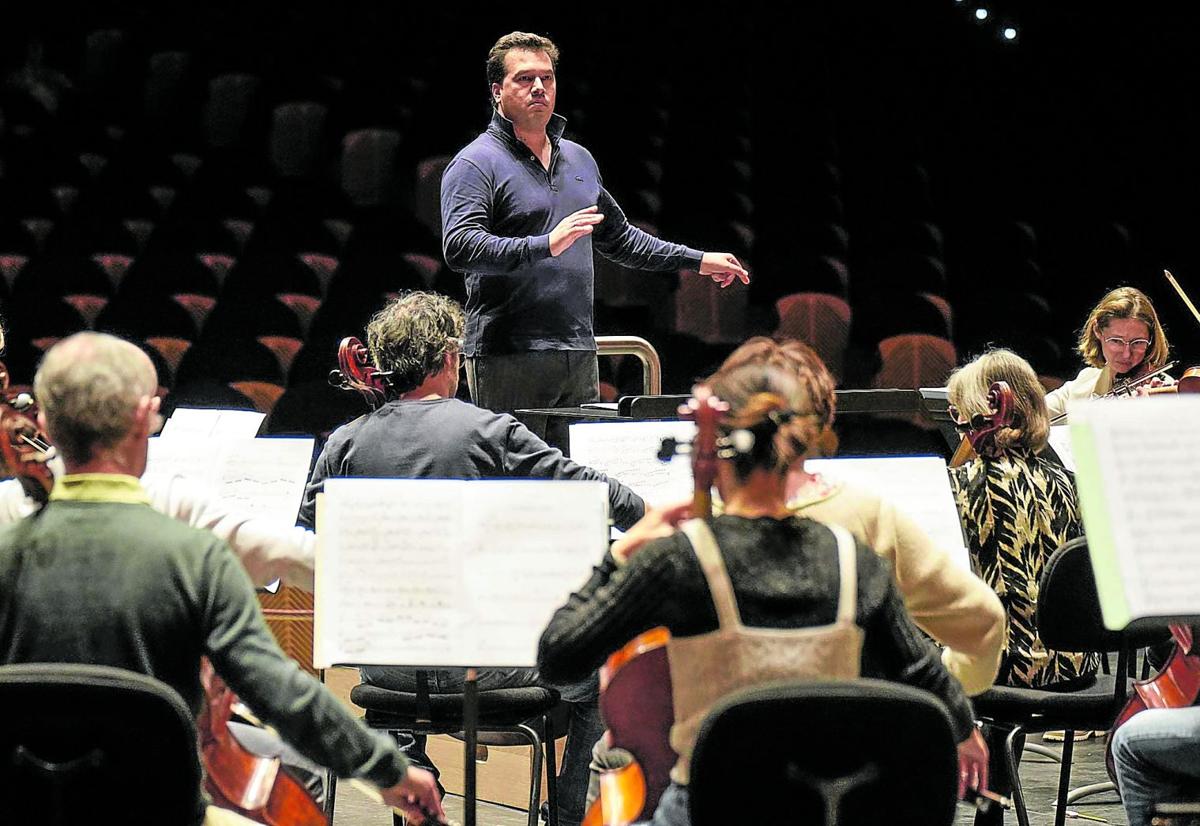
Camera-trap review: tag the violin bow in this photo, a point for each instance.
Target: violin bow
(1183, 295)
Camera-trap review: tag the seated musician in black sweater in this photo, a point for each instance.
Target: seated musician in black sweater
(423, 432)
(717, 583)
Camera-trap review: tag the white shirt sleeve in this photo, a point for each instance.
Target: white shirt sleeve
(267, 549)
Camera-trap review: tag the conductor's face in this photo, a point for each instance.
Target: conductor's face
(526, 96)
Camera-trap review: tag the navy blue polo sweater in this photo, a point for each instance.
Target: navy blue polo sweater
(499, 205)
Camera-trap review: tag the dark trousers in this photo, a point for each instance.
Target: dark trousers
(537, 379)
(584, 726)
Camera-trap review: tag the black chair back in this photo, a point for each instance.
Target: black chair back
(1068, 607)
(866, 751)
(76, 739)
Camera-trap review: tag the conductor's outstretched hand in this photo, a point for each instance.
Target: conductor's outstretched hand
(723, 268)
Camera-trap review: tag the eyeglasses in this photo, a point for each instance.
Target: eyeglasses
(961, 423)
(1137, 344)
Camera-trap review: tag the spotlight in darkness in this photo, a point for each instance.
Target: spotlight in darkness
(1009, 33)
(981, 14)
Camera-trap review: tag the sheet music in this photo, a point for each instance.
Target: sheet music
(205, 423)
(446, 573)
(1060, 440)
(628, 452)
(265, 477)
(1140, 494)
(918, 486)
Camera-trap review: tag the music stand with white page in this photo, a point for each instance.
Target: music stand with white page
(1139, 490)
(916, 485)
(433, 573)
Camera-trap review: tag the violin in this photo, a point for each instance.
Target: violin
(24, 449)
(979, 434)
(237, 779)
(635, 682)
(1177, 685)
(355, 372)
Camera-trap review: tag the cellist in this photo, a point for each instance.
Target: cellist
(149, 594)
(1157, 757)
(1121, 341)
(714, 583)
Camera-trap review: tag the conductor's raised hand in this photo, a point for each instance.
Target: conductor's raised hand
(572, 228)
(723, 268)
(416, 795)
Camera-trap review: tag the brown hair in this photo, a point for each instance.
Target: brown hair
(774, 408)
(1123, 302)
(516, 40)
(801, 361)
(412, 335)
(968, 391)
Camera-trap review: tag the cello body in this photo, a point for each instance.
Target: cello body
(1177, 685)
(635, 683)
(238, 780)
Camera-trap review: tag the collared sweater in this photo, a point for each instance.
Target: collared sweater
(499, 205)
(98, 576)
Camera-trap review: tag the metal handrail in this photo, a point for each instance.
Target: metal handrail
(645, 352)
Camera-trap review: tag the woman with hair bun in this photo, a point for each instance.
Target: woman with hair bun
(757, 578)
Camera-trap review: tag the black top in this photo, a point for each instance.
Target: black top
(450, 439)
(784, 574)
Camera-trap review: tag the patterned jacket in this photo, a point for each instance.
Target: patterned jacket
(1016, 511)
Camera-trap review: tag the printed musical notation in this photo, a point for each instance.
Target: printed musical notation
(442, 572)
(264, 476)
(1138, 489)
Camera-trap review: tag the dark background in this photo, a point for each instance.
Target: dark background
(908, 143)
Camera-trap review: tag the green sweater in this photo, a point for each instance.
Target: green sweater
(97, 576)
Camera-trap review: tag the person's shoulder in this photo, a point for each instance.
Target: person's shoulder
(481, 152)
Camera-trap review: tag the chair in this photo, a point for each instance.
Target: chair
(82, 732)
(428, 192)
(888, 756)
(820, 321)
(295, 140)
(1068, 619)
(369, 166)
(507, 717)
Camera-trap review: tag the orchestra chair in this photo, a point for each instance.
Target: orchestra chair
(524, 716)
(887, 756)
(77, 735)
(1068, 619)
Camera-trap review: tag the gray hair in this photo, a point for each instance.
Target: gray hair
(88, 386)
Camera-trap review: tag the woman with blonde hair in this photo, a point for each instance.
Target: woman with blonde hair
(1121, 340)
(1017, 508)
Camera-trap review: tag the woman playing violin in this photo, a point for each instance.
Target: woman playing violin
(1121, 340)
(762, 568)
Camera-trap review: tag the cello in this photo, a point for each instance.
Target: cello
(635, 682)
(979, 432)
(1177, 685)
(236, 779)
